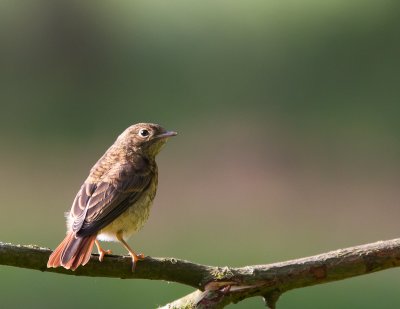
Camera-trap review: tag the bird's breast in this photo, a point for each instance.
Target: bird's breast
(132, 219)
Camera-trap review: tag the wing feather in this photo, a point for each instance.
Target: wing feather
(97, 205)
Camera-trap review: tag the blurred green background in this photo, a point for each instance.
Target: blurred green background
(288, 146)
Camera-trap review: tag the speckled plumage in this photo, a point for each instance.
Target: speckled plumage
(114, 201)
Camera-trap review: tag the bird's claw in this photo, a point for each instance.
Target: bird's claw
(135, 258)
(102, 253)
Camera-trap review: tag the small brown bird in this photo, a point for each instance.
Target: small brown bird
(114, 201)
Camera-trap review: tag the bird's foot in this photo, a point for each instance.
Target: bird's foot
(135, 258)
(101, 251)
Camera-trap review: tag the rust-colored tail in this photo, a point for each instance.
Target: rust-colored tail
(72, 251)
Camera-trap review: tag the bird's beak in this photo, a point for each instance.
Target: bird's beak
(167, 134)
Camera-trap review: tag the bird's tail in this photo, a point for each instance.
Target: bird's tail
(72, 251)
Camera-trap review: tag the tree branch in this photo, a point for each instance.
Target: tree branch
(219, 286)
(113, 266)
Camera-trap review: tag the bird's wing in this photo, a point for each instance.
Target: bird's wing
(98, 204)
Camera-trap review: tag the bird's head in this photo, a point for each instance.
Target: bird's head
(145, 139)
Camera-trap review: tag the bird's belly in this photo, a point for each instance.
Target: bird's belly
(130, 221)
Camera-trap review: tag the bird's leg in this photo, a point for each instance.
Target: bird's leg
(135, 257)
(101, 251)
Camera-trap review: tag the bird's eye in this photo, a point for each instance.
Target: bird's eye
(144, 132)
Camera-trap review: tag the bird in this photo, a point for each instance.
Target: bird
(115, 199)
